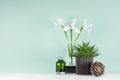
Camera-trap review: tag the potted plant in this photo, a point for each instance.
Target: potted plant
(84, 57)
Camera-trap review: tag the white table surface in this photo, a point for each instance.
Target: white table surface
(54, 76)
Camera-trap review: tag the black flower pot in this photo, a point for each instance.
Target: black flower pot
(83, 65)
(70, 69)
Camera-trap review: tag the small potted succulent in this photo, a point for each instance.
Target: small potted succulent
(84, 57)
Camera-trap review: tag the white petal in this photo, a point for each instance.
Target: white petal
(73, 22)
(66, 28)
(86, 25)
(60, 21)
(89, 27)
(75, 29)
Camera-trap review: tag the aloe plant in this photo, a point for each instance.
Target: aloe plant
(85, 50)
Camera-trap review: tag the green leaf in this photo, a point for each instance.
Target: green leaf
(85, 50)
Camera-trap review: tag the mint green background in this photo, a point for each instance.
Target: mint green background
(29, 41)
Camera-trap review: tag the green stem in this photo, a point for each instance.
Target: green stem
(65, 35)
(66, 40)
(71, 39)
(81, 29)
(71, 46)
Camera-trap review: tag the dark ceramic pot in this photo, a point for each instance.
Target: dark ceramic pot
(70, 69)
(83, 66)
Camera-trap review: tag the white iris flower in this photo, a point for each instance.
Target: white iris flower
(60, 22)
(87, 26)
(72, 26)
(66, 28)
(76, 30)
(73, 22)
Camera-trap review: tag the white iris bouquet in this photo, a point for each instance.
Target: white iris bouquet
(69, 36)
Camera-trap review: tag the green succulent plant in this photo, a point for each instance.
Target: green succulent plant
(85, 50)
